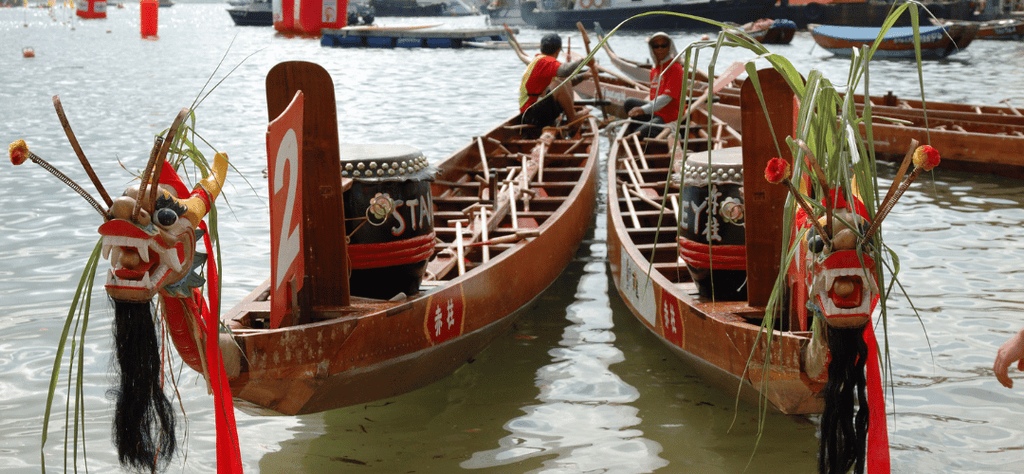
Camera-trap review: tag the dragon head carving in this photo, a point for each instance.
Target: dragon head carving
(150, 238)
(841, 278)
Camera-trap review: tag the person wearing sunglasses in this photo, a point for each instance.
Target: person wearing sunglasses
(666, 89)
(546, 74)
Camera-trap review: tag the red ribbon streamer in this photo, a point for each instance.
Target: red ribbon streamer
(878, 434)
(229, 457)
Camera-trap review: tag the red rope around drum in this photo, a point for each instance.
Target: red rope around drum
(726, 257)
(389, 254)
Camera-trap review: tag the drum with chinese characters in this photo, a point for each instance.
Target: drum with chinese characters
(712, 241)
(388, 218)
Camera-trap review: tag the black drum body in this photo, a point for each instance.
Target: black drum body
(388, 218)
(712, 240)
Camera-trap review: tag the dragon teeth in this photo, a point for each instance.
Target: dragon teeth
(169, 257)
(115, 257)
(143, 250)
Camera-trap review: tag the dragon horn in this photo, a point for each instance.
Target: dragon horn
(198, 204)
(151, 175)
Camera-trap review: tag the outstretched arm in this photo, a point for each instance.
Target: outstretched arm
(652, 106)
(566, 69)
(1011, 351)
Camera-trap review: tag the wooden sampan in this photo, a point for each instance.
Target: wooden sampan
(712, 241)
(388, 218)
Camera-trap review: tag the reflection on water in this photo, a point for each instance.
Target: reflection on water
(583, 423)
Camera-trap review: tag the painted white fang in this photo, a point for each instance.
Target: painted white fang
(171, 259)
(115, 257)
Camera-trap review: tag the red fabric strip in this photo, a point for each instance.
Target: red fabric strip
(389, 254)
(878, 434)
(229, 457)
(726, 257)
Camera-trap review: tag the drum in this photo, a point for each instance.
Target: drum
(712, 241)
(388, 218)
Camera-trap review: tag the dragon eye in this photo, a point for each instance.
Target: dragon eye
(815, 244)
(166, 217)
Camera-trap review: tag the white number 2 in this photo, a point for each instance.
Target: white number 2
(288, 245)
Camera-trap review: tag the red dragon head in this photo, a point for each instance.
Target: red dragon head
(840, 278)
(149, 235)
(150, 238)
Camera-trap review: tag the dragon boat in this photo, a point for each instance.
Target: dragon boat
(442, 258)
(388, 271)
(778, 314)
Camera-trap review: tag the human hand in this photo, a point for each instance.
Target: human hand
(1012, 350)
(634, 112)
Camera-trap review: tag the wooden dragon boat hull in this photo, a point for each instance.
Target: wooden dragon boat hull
(372, 349)
(975, 138)
(716, 338)
(769, 31)
(965, 146)
(1008, 29)
(972, 138)
(936, 42)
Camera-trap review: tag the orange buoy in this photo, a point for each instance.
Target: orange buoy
(28, 52)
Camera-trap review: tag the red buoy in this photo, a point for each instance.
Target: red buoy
(148, 9)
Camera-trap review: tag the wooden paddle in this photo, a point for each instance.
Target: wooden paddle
(593, 68)
(515, 45)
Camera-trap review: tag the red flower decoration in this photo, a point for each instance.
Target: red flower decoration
(926, 157)
(18, 152)
(777, 170)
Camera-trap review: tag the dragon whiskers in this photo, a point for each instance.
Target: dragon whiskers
(19, 152)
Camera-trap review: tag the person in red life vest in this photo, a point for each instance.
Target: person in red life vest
(546, 74)
(666, 89)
